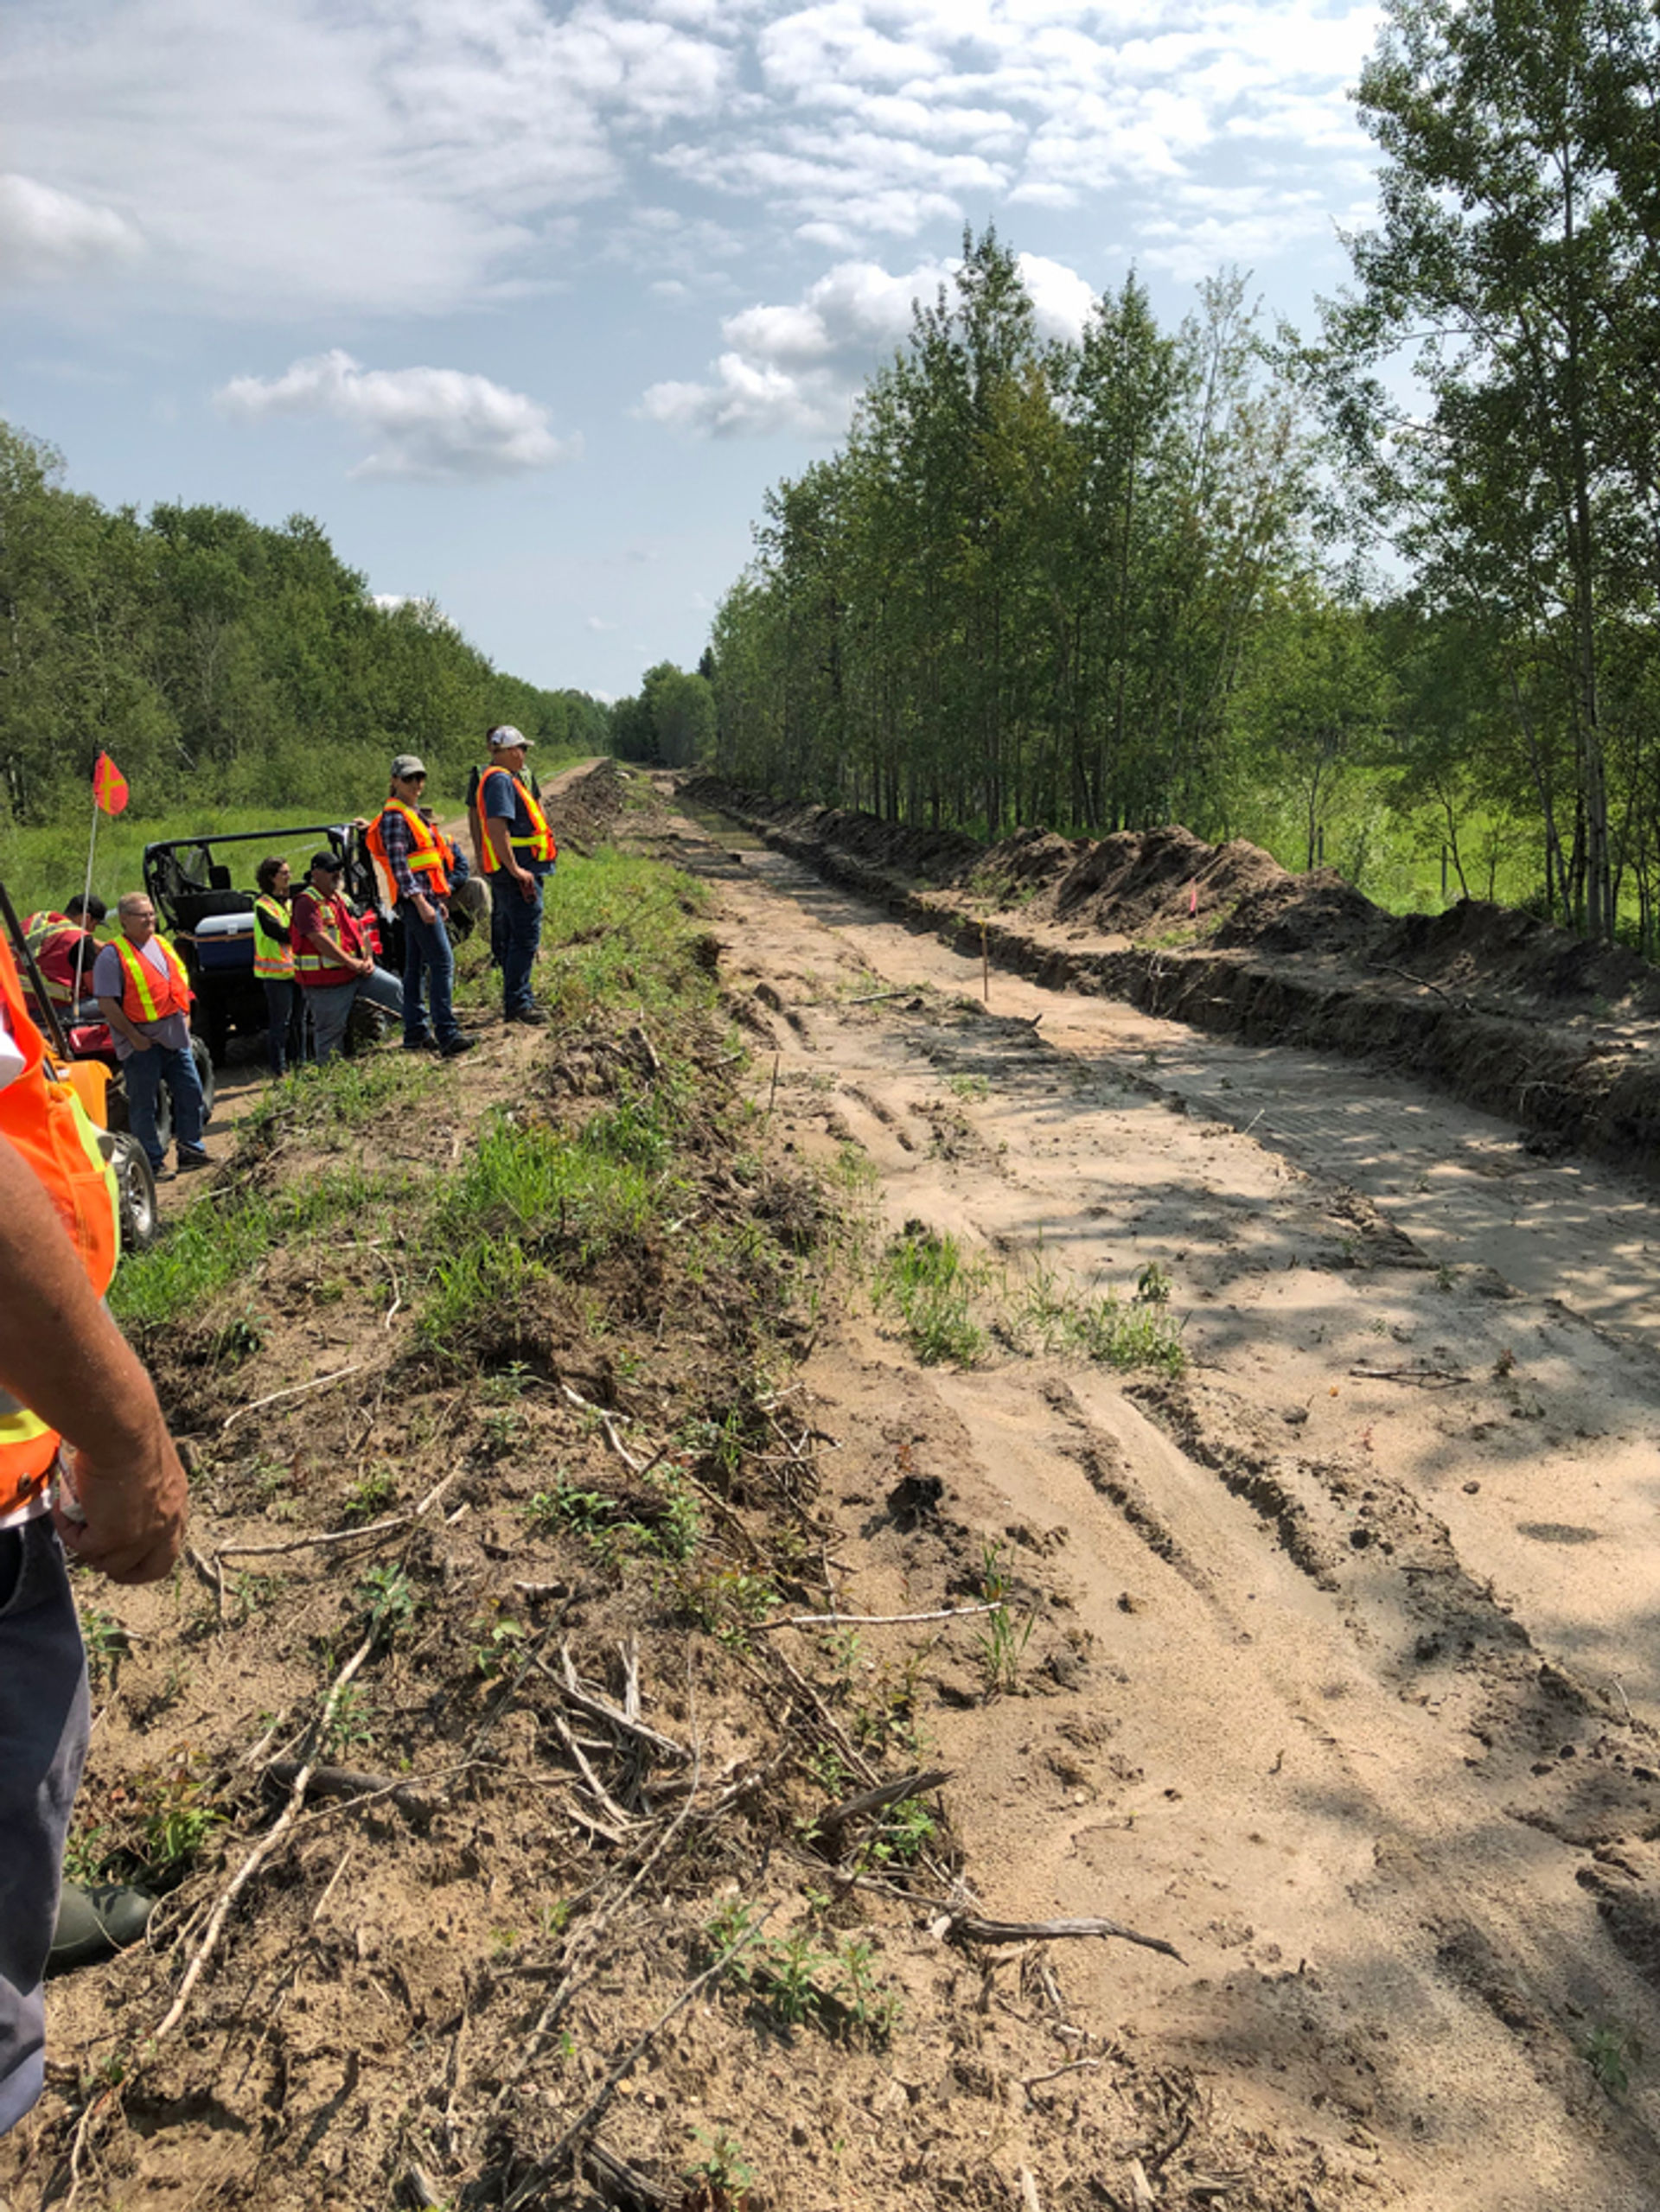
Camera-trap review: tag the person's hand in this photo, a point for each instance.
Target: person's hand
(423, 907)
(526, 884)
(141, 1044)
(133, 1509)
(366, 963)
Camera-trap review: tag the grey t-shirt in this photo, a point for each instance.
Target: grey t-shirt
(110, 981)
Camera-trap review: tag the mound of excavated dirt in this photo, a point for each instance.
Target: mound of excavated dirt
(1224, 937)
(1475, 943)
(581, 807)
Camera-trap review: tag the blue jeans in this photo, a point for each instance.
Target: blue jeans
(44, 1726)
(502, 888)
(144, 1073)
(330, 1006)
(521, 933)
(284, 1024)
(429, 966)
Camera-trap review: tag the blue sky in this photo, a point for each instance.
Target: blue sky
(528, 304)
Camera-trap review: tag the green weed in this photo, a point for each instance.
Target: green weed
(1613, 2053)
(107, 1645)
(368, 1500)
(388, 1602)
(723, 2177)
(1002, 1642)
(923, 1274)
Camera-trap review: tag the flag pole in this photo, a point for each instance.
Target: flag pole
(86, 900)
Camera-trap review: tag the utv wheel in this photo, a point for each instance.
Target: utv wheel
(136, 1191)
(207, 1077)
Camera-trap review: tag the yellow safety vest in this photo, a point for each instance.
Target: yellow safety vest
(537, 845)
(275, 961)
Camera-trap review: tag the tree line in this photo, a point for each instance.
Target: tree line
(220, 659)
(1394, 583)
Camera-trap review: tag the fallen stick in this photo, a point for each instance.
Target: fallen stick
(546, 2168)
(1076, 2066)
(575, 1398)
(887, 1793)
(603, 1797)
(262, 1851)
(873, 1620)
(622, 2184)
(294, 1389)
(352, 1782)
(590, 1937)
(1410, 1375)
(597, 1709)
(967, 1927)
(338, 1535)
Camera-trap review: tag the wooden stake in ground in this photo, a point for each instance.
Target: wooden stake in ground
(985, 967)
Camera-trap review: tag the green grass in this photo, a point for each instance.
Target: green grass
(618, 933)
(924, 1277)
(44, 865)
(217, 1244)
(1047, 1313)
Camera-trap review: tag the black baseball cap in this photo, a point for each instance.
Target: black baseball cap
(331, 861)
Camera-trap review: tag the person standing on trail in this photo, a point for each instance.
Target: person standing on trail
(65, 948)
(145, 995)
(120, 1507)
(477, 837)
(519, 854)
(333, 964)
(410, 861)
(273, 963)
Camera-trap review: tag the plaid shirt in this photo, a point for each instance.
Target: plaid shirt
(395, 832)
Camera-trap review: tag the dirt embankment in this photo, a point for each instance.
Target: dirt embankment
(1507, 1012)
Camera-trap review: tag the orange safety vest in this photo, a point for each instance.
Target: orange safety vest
(149, 997)
(272, 961)
(426, 854)
(538, 846)
(44, 1122)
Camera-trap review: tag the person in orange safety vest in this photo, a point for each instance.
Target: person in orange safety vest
(64, 1367)
(410, 865)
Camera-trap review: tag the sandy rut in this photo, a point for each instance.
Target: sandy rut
(1364, 1719)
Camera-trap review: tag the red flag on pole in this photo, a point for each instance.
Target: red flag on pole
(110, 792)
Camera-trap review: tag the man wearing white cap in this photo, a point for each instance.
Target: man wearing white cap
(519, 854)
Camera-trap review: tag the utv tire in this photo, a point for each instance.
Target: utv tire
(135, 1189)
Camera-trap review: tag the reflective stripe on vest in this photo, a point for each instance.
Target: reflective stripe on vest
(44, 1121)
(426, 856)
(276, 961)
(150, 996)
(318, 968)
(537, 845)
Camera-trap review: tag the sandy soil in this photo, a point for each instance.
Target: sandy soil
(1362, 1684)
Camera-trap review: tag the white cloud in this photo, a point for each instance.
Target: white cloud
(432, 423)
(796, 367)
(283, 158)
(46, 235)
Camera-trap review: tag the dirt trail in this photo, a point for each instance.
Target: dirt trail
(1345, 1640)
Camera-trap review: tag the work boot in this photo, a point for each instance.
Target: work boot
(455, 1046)
(532, 1016)
(96, 1924)
(193, 1156)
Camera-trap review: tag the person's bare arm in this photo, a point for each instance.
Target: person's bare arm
(64, 1358)
(502, 845)
(110, 1009)
(337, 953)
